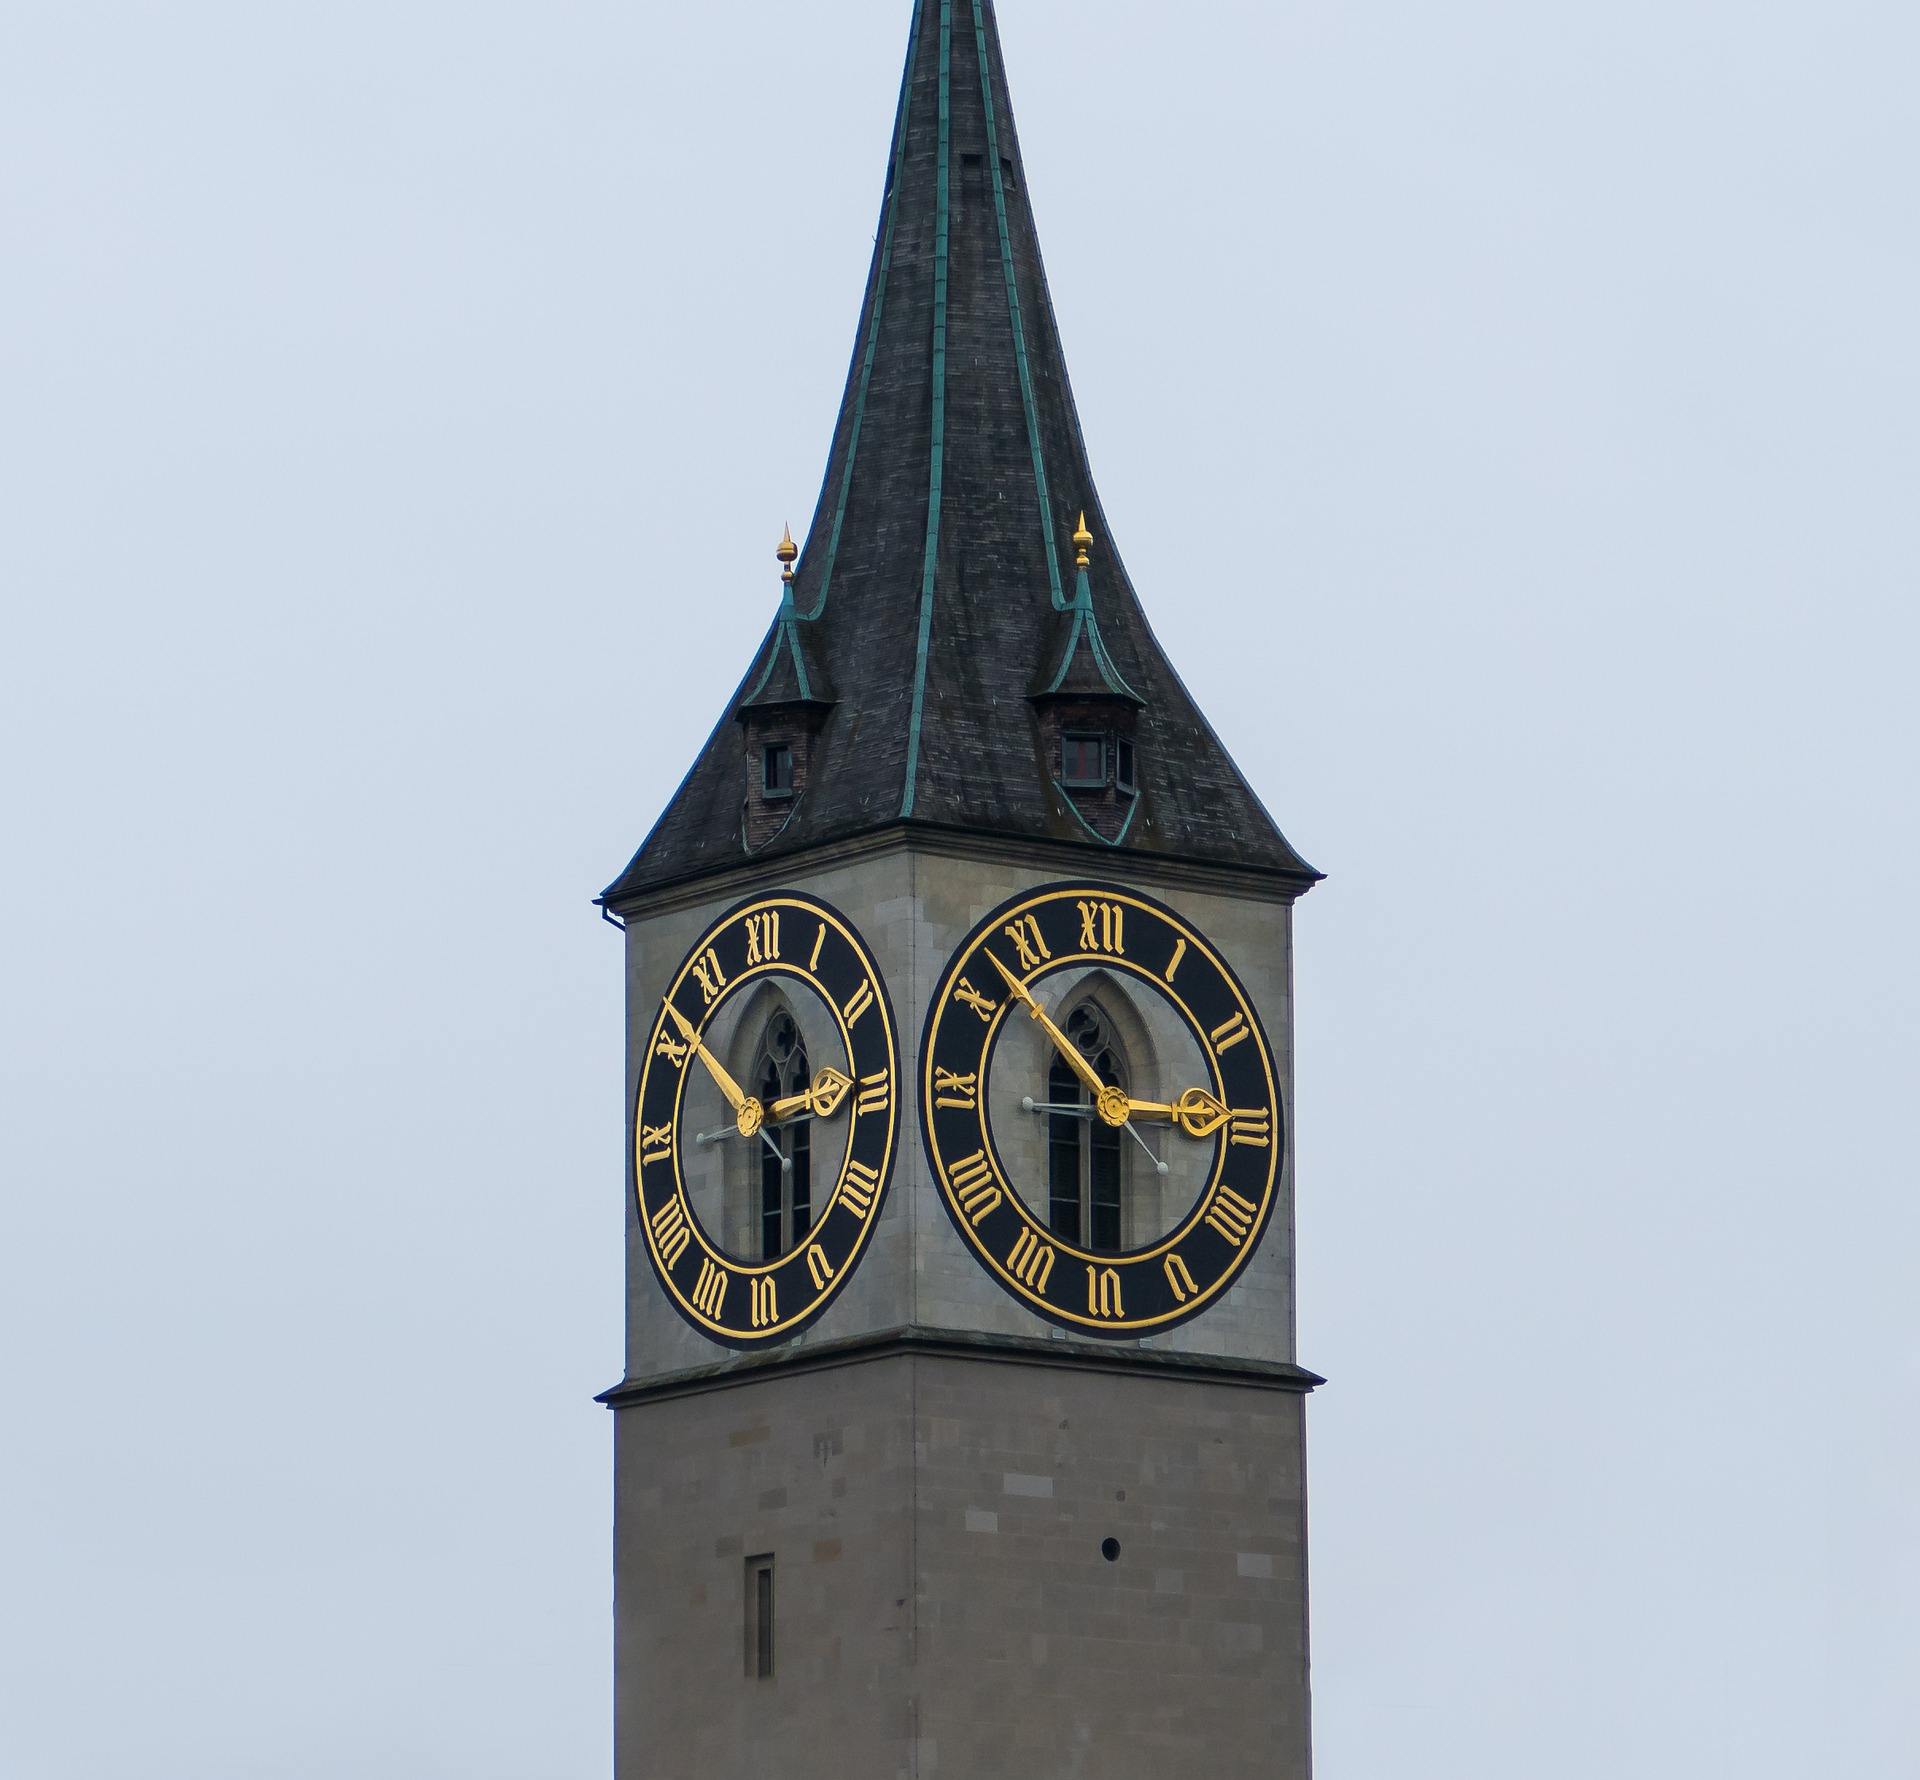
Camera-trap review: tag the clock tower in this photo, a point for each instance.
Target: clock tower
(962, 1431)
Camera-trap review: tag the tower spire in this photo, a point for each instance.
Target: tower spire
(948, 580)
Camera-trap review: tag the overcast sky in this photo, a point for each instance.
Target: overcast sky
(1508, 415)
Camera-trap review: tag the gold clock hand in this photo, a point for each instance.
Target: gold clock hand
(1196, 1112)
(1061, 1042)
(748, 1113)
(1109, 1102)
(821, 1100)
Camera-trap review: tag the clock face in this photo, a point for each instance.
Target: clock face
(765, 1120)
(1100, 1109)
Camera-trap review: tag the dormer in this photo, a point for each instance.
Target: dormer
(781, 718)
(1088, 714)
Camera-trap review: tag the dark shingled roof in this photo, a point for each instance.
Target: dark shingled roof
(937, 594)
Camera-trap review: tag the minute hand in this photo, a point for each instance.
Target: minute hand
(747, 1111)
(1063, 1044)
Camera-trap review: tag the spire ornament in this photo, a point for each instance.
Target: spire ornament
(1082, 543)
(788, 554)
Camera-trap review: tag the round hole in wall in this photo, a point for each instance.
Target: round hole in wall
(1110, 1550)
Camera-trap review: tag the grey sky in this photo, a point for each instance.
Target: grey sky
(1508, 414)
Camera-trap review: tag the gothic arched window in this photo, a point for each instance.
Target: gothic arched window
(1084, 1159)
(786, 1151)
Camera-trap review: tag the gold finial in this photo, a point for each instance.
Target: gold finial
(1082, 542)
(788, 553)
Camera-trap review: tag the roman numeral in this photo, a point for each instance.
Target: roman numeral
(875, 1092)
(1226, 1036)
(1103, 1293)
(1180, 1279)
(1231, 1215)
(968, 996)
(763, 937)
(671, 1049)
(972, 1182)
(656, 1143)
(960, 1093)
(1254, 1128)
(818, 1266)
(1029, 942)
(1031, 1262)
(710, 1295)
(713, 980)
(862, 1000)
(766, 1302)
(1103, 928)
(1179, 952)
(670, 1234)
(819, 940)
(862, 1184)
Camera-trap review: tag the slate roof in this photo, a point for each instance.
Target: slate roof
(937, 592)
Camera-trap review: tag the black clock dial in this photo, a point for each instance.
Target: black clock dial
(1078, 1260)
(766, 1119)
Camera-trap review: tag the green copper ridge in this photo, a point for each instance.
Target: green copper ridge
(1126, 827)
(873, 328)
(937, 467)
(1013, 311)
(786, 634)
(1086, 623)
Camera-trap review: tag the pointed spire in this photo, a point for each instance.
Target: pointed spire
(933, 590)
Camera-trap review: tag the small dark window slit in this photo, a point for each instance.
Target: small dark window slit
(776, 775)
(760, 1618)
(1085, 761)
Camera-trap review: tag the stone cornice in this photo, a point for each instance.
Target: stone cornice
(1069, 858)
(956, 1344)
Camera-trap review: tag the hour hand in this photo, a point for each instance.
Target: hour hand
(821, 1100)
(1196, 1112)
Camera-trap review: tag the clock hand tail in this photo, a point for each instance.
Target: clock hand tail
(1159, 1167)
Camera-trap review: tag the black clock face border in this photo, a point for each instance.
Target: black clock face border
(1079, 925)
(796, 938)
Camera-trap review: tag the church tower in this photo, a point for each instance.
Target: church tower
(962, 1432)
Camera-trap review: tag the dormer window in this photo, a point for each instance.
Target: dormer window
(776, 770)
(1086, 760)
(1123, 763)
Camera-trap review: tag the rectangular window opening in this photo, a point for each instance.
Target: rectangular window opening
(776, 770)
(1123, 764)
(760, 1618)
(1086, 760)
